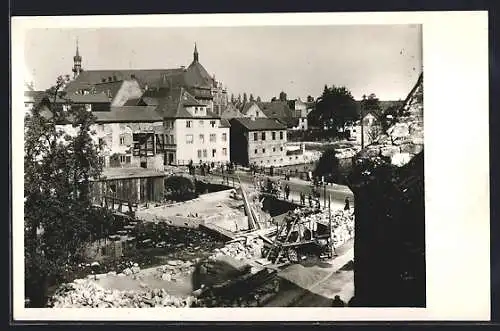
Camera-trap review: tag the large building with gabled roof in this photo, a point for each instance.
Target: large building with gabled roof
(195, 79)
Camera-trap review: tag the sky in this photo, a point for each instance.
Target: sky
(299, 60)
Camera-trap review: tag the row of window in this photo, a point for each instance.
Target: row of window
(203, 153)
(263, 135)
(256, 151)
(189, 124)
(201, 138)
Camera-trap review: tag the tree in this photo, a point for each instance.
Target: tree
(328, 166)
(310, 98)
(283, 96)
(259, 99)
(251, 98)
(273, 99)
(334, 108)
(372, 132)
(232, 98)
(180, 188)
(371, 103)
(239, 98)
(245, 98)
(59, 217)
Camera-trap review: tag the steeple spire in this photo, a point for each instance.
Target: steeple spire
(195, 54)
(77, 61)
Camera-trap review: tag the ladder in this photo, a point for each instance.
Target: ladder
(276, 243)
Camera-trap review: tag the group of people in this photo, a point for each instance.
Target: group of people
(208, 168)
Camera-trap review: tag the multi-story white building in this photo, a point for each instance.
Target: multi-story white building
(192, 132)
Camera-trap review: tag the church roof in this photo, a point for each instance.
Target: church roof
(150, 77)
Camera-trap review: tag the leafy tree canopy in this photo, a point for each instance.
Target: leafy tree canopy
(334, 107)
(59, 216)
(283, 96)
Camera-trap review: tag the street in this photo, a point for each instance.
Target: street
(337, 193)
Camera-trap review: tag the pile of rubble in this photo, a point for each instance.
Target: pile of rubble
(342, 222)
(241, 249)
(405, 138)
(87, 294)
(175, 269)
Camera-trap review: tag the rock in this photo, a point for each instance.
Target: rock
(417, 140)
(173, 263)
(400, 159)
(389, 151)
(166, 277)
(197, 292)
(136, 264)
(94, 264)
(112, 273)
(127, 271)
(121, 275)
(372, 151)
(399, 130)
(135, 270)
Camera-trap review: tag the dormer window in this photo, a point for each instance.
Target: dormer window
(212, 124)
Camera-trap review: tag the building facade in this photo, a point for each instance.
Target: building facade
(193, 133)
(299, 111)
(258, 141)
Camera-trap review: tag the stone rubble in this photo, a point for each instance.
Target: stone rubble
(248, 248)
(87, 294)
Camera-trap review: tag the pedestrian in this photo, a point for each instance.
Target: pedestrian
(302, 198)
(310, 200)
(346, 207)
(337, 302)
(287, 191)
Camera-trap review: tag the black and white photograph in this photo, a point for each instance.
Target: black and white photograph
(225, 166)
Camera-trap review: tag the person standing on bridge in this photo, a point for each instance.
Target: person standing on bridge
(347, 207)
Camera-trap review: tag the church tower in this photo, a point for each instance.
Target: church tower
(77, 62)
(195, 54)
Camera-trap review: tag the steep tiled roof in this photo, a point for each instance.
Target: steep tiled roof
(89, 98)
(231, 112)
(174, 103)
(133, 102)
(34, 96)
(150, 77)
(224, 123)
(275, 109)
(196, 75)
(259, 124)
(246, 107)
(128, 114)
(111, 87)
